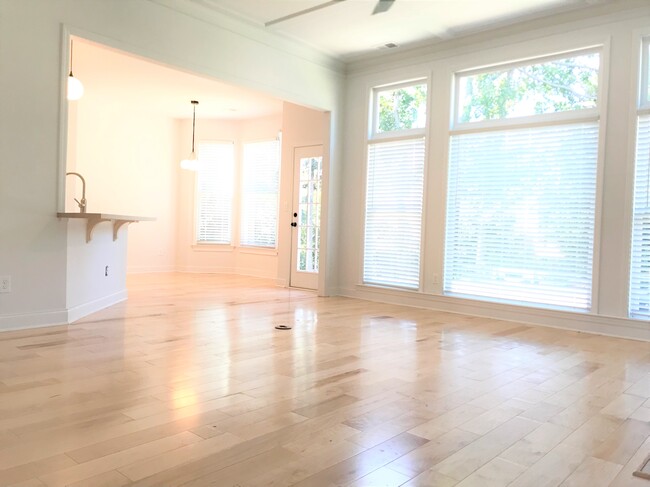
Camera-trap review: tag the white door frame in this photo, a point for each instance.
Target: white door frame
(301, 261)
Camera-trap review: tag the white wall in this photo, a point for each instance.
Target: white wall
(96, 270)
(618, 30)
(222, 258)
(128, 159)
(33, 242)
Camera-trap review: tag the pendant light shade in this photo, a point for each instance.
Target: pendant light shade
(75, 88)
(192, 162)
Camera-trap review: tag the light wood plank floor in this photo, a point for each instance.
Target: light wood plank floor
(189, 384)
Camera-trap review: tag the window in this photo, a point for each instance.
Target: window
(259, 204)
(557, 85)
(639, 302)
(395, 181)
(214, 192)
(400, 108)
(645, 75)
(521, 198)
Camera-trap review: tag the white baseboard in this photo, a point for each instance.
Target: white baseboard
(584, 322)
(151, 270)
(255, 273)
(226, 270)
(85, 309)
(33, 320)
(190, 269)
(59, 317)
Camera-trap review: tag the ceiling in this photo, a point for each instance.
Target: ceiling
(128, 82)
(347, 28)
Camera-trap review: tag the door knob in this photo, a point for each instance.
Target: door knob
(294, 224)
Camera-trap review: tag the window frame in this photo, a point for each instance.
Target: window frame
(585, 114)
(374, 112)
(597, 114)
(372, 137)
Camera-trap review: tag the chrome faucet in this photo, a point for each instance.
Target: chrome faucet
(82, 203)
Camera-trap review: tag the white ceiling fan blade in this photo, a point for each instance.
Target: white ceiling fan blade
(302, 12)
(382, 6)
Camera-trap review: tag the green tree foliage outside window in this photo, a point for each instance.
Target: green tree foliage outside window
(402, 108)
(555, 86)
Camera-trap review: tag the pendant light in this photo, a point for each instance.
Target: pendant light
(75, 88)
(192, 162)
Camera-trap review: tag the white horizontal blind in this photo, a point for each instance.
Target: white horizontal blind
(259, 206)
(214, 192)
(520, 214)
(394, 213)
(640, 262)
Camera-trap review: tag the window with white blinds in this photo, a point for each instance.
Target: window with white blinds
(394, 213)
(259, 203)
(640, 256)
(395, 185)
(522, 196)
(215, 183)
(520, 217)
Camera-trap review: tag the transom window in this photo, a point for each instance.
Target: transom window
(399, 108)
(644, 98)
(551, 86)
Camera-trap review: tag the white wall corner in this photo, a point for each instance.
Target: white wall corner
(85, 309)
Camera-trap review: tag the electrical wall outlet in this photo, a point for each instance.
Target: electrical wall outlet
(436, 278)
(5, 284)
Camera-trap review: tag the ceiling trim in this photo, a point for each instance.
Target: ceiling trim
(498, 34)
(204, 12)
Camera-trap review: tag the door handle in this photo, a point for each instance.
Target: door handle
(294, 224)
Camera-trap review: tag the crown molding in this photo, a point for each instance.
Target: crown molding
(496, 35)
(204, 11)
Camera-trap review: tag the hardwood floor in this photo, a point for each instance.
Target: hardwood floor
(189, 384)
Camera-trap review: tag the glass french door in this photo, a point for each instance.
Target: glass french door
(307, 187)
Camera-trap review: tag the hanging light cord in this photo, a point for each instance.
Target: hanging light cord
(193, 123)
(71, 51)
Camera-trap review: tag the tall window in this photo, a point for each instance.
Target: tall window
(639, 306)
(522, 182)
(259, 204)
(214, 192)
(395, 179)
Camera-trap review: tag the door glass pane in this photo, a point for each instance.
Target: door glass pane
(311, 169)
